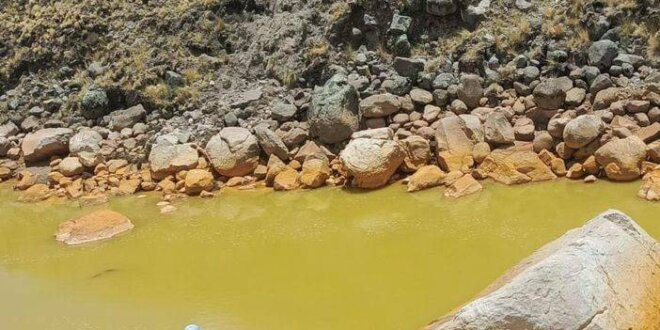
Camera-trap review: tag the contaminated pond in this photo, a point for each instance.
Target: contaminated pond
(322, 259)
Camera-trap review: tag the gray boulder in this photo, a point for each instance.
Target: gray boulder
(604, 275)
(334, 114)
(95, 104)
(8, 129)
(470, 90)
(371, 162)
(271, 143)
(45, 143)
(86, 144)
(380, 105)
(127, 118)
(549, 95)
(498, 129)
(622, 158)
(408, 67)
(580, 131)
(283, 111)
(5, 145)
(400, 24)
(233, 152)
(441, 7)
(167, 159)
(602, 53)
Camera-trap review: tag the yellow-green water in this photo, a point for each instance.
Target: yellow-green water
(324, 259)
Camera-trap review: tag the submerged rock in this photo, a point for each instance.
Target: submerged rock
(464, 186)
(604, 275)
(92, 227)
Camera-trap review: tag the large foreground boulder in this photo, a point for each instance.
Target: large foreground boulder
(45, 143)
(371, 162)
(92, 227)
(604, 275)
(334, 114)
(234, 152)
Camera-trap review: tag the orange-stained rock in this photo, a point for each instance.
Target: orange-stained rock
(502, 172)
(74, 190)
(426, 177)
(198, 180)
(575, 172)
(418, 153)
(622, 158)
(449, 161)
(650, 189)
(516, 166)
(26, 180)
(95, 198)
(92, 227)
(35, 193)
(286, 180)
(128, 187)
(590, 165)
(464, 186)
(315, 172)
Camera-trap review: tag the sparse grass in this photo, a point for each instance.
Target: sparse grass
(653, 50)
(158, 95)
(339, 9)
(192, 75)
(318, 49)
(578, 40)
(36, 33)
(350, 53)
(185, 94)
(384, 54)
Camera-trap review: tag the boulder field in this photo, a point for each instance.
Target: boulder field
(604, 275)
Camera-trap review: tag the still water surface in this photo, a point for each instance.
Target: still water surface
(324, 259)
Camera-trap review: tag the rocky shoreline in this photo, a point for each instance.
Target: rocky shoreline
(377, 110)
(610, 134)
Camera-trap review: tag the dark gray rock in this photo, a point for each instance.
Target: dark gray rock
(408, 67)
(549, 95)
(127, 118)
(95, 104)
(271, 143)
(283, 111)
(602, 53)
(334, 114)
(470, 90)
(441, 7)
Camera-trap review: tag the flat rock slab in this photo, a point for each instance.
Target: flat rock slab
(92, 227)
(605, 275)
